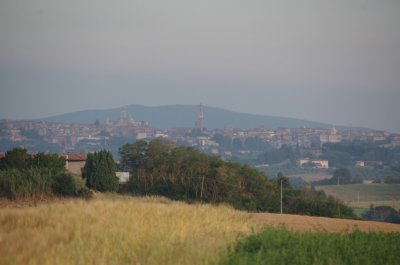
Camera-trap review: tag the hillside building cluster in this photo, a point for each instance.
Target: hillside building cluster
(91, 137)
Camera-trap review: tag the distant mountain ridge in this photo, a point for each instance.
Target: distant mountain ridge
(173, 116)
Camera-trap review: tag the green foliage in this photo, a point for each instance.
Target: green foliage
(392, 180)
(382, 213)
(315, 203)
(16, 158)
(346, 153)
(281, 155)
(68, 185)
(341, 176)
(224, 142)
(281, 246)
(185, 174)
(282, 180)
(20, 159)
(100, 171)
(133, 155)
(23, 176)
(52, 162)
(28, 183)
(158, 168)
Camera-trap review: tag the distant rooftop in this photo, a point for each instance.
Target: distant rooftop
(74, 157)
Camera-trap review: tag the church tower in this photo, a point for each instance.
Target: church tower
(200, 119)
(123, 119)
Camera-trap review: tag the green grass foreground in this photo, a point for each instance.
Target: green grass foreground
(281, 246)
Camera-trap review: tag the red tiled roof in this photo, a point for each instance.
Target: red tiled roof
(74, 157)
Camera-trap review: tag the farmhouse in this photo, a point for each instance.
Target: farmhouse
(74, 163)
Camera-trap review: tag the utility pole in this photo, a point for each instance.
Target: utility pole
(201, 192)
(281, 197)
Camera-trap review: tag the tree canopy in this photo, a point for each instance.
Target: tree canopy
(16, 158)
(33, 176)
(100, 171)
(182, 173)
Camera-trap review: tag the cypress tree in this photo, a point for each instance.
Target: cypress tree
(99, 171)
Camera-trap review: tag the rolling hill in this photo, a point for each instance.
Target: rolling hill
(173, 116)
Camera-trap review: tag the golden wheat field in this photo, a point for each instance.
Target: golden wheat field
(114, 229)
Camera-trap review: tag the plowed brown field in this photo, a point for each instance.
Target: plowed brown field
(311, 223)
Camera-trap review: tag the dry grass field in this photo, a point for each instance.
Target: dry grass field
(114, 229)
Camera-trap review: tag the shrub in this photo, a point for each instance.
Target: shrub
(85, 193)
(29, 183)
(68, 185)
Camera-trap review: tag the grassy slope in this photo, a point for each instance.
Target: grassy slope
(118, 230)
(113, 229)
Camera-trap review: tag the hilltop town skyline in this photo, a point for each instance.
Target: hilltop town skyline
(334, 62)
(73, 117)
(57, 135)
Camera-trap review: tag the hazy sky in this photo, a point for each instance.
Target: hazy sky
(331, 61)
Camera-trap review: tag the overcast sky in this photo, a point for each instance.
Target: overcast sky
(331, 61)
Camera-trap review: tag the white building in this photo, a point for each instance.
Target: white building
(315, 163)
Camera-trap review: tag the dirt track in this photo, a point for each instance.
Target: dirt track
(308, 223)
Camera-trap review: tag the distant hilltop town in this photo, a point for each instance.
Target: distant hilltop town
(84, 137)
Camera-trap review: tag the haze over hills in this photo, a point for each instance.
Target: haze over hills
(172, 116)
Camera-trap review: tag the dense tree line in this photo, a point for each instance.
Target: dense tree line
(382, 213)
(159, 168)
(26, 176)
(186, 174)
(308, 201)
(346, 153)
(340, 176)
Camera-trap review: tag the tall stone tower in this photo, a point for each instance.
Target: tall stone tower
(200, 119)
(123, 119)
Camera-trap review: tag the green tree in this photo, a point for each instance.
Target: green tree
(342, 176)
(99, 171)
(285, 181)
(52, 162)
(133, 156)
(16, 158)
